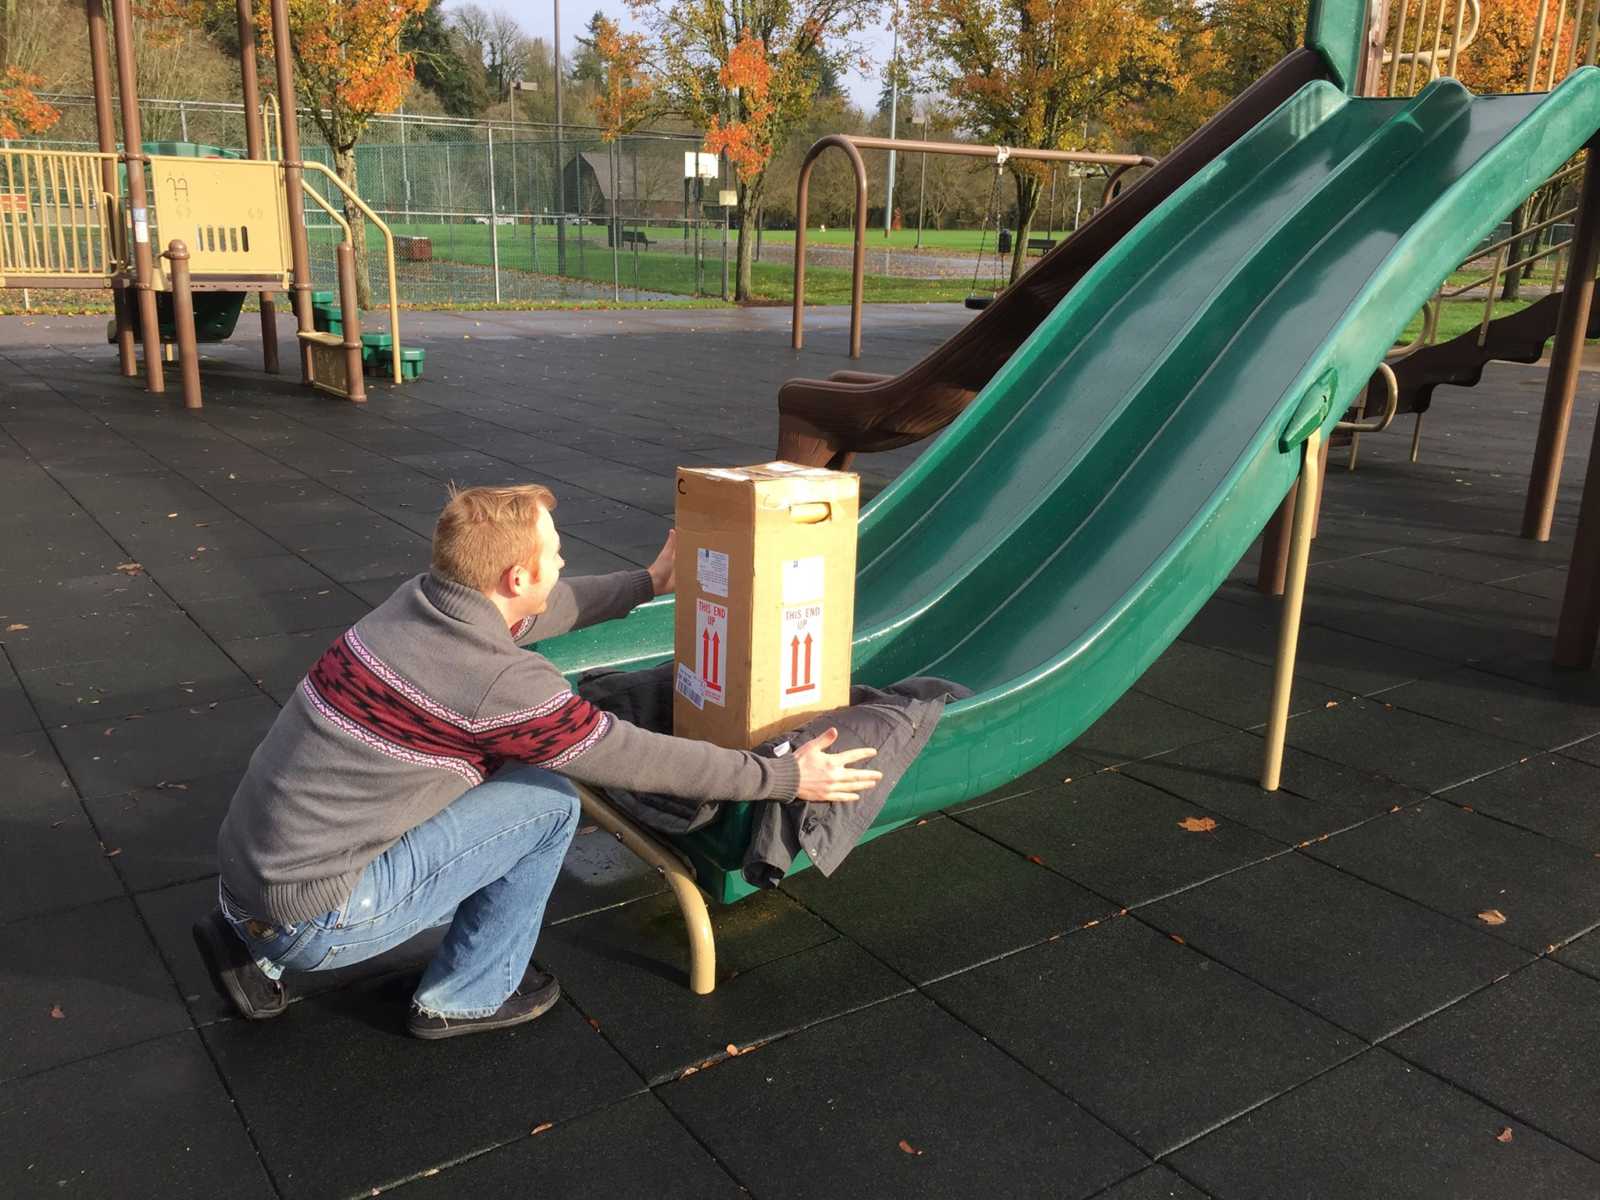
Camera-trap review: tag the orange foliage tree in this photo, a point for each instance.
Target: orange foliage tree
(21, 112)
(1039, 73)
(349, 65)
(743, 70)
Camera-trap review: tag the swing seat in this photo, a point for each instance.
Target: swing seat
(978, 303)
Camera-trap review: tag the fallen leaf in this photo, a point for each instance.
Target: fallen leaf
(1492, 916)
(1505, 1135)
(688, 1071)
(733, 1051)
(131, 568)
(1036, 860)
(538, 1129)
(430, 1170)
(1331, 704)
(594, 1025)
(1178, 937)
(583, 829)
(17, 628)
(114, 853)
(1089, 924)
(171, 515)
(907, 1148)
(1198, 824)
(56, 1014)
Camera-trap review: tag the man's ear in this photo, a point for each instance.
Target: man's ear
(509, 579)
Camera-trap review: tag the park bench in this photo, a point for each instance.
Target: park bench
(632, 237)
(1041, 245)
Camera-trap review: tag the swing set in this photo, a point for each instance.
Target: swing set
(853, 144)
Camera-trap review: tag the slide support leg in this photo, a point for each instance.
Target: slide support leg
(1294, 592)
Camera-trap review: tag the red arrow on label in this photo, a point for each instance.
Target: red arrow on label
(796, 683)
(714, 682)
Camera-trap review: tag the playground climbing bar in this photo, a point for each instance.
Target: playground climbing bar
(852, 145)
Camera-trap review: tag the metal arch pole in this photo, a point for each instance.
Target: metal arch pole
(255, 147)
(293, 180)
(1561, 384)
(138, 197)
(1305, 515)
(106, 136)
(679, 876)
(858, 261)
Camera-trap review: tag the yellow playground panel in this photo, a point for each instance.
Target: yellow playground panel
(230, 212)
(57, 225)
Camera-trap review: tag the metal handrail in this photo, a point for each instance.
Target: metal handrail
(272, 123)
(1391, 406)
(388, 241)
(1460, 39)
(338, 218)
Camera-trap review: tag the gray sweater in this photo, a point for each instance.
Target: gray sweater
(425, 697)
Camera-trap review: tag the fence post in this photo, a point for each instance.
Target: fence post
(616, 230)
(724, 251)
(183, 120)
(494, 222)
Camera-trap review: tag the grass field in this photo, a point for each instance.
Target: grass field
(665, 267)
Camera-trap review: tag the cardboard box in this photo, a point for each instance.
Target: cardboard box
(765, 599)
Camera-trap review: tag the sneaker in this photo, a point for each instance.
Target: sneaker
(535, 996)
(254, 993)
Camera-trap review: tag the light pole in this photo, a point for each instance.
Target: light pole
(919, 117)
(561, 167)
(894, 105)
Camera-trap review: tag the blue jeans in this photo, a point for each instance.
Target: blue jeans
(485, 865)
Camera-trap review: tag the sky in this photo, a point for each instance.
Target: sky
(536, 17)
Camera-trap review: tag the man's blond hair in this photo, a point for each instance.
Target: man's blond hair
(484, 530)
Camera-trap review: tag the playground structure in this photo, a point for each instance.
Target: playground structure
(853, 144)
(92, 219)
(1135, 439)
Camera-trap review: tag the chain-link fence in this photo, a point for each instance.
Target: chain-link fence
(490, 211)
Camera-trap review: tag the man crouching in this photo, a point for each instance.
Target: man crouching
(417, 777)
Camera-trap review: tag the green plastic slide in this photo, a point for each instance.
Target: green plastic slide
(1068, 525)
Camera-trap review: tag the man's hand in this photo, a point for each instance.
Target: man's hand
(830, 777)
(663, 572)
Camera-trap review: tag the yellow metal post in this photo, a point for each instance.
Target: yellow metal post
(1294, 591)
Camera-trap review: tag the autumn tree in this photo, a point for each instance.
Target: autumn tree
(745, 71)
(1034, 73)
(21, 111)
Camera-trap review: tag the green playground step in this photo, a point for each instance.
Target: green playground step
(375, 355)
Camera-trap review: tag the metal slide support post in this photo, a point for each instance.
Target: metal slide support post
(350, 317)
(655, 853)
(858, 260)
(255, 147)
(293, 180)
(1293, 597)
(183, 322)
(138, 197)
(106, 135)
(1561, 384)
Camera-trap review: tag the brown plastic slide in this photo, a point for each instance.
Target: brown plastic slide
(826, 422)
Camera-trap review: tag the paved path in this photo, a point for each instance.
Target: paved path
(1055, 990)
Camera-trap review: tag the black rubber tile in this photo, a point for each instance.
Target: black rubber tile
(1516, 1046)
(209, 578)
(1370, 961)
(1550, 794)
(1315, 796)
(182, 743)
(930, 1110)
(936, 898)
(1500, 607)
(376, 591)
(1380, 1127)
(1550, 583)
(16, 712)
(355, 1068)
(585, 1157)
(1159, 1042)
(279, 661)
(1583, 955)
(1140, 726)
(1377, 576)
(164, 834)
(94, 966)
(170, 914)
(1065, 767)
(62, 641)
(378, 561)
(185, 671)
(261, 614)
(1120, 838)
(1503, 707)
(36, 592)
(778, 969)
(149, 1120)
(585, 559)
(1411, 749)
(50, 856)
(599, 872)
(1456, 560)
(181, 540)
(1462, 863)
(369, 531)
(1224, 686)
(1587, 751)
(1153, 1183)
(1451, 627)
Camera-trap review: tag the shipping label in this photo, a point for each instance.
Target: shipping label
(711, 571)
(800, 656)
(711, 649)
(689, 686)
(802, 579)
